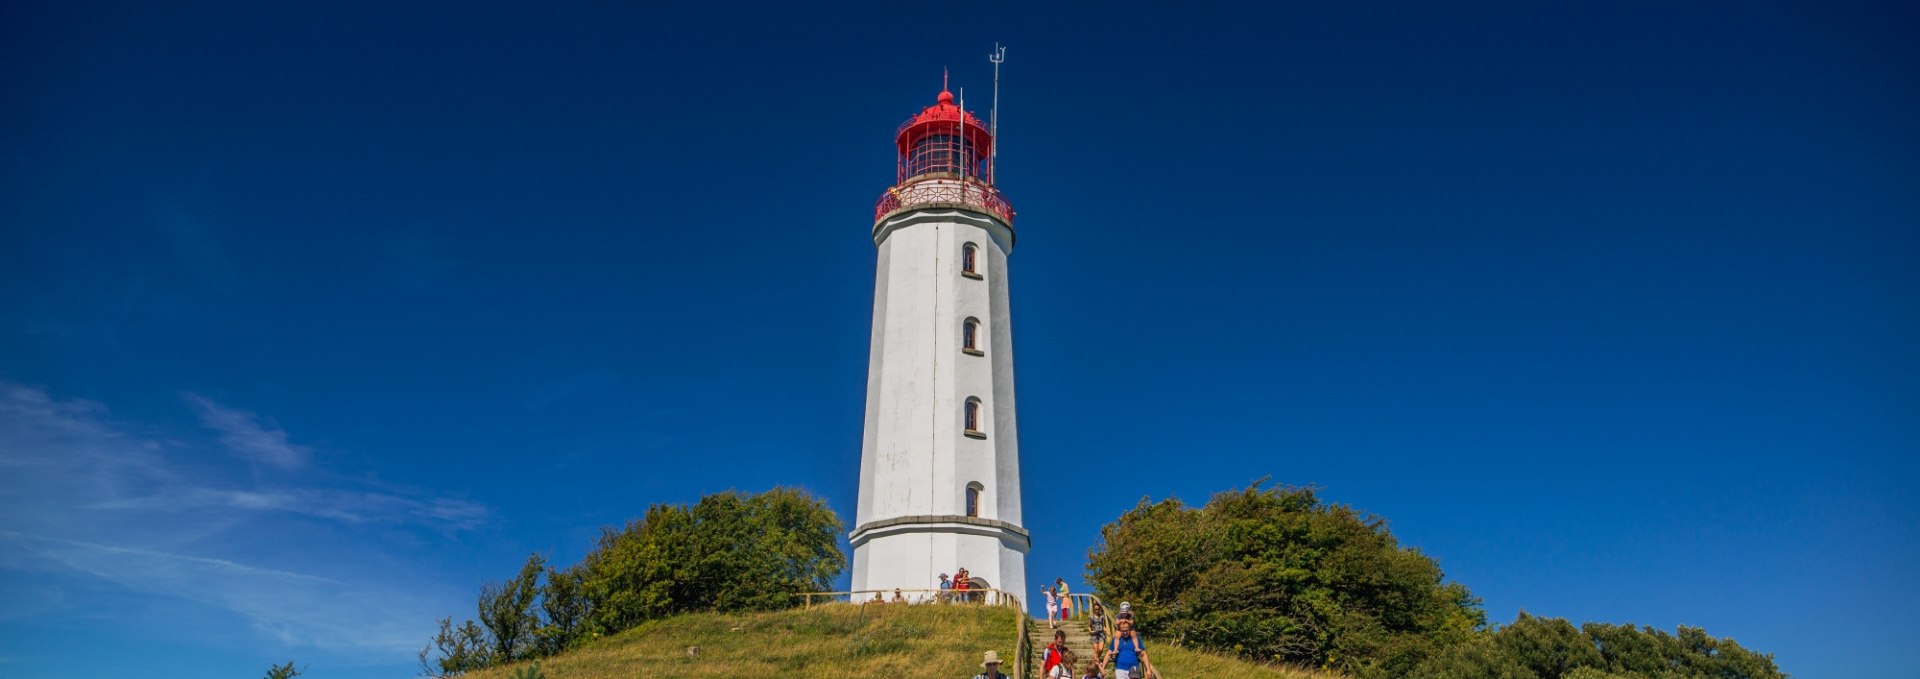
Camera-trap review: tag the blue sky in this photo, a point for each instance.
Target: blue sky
(313, 318)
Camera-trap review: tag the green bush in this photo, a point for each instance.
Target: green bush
(506, 609)
(1277, 575)
(728, 552)
(1551, 648)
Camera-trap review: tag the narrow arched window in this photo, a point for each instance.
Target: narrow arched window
(973, 498)
(973, 416)
(970, 336)
(969, 257)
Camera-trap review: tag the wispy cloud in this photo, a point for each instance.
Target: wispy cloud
(348, 506)
(87, 495)
(243, 434)
(292, 608)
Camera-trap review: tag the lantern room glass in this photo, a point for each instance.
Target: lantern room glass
(944, 153)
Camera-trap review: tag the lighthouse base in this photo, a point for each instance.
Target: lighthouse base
(911, 552)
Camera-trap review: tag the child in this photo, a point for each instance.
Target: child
(1064, 670)
(1053, 608)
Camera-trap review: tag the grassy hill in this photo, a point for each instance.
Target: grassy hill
(837, 641)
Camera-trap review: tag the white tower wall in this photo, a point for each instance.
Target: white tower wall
(917, 460)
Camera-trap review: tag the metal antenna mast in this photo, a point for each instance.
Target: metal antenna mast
(993, 116)
(963, 142)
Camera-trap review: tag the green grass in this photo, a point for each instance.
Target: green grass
(1185, 663)
(837, 641)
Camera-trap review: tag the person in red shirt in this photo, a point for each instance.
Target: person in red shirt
(1054, 654)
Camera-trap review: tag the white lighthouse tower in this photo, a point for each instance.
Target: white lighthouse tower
(940, 462)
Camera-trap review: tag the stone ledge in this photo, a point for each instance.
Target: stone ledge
(924, 519)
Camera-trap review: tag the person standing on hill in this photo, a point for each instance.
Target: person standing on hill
(1053, 608)
(1128, 654)
(1066, 598)
(946, 588)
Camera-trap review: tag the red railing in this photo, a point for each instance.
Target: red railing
(948, 191)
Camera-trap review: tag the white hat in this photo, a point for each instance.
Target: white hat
(993, 658)
(1124, 605)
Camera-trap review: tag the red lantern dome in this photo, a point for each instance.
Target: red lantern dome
(945, 160)
(945, 139)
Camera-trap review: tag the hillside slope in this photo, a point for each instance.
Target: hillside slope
(834, 641)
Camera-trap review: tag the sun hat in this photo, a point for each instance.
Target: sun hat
(1125, 606)
(993, 658)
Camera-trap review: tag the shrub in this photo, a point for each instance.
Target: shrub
(728, 552)
(1551, 648)
(1277, 575)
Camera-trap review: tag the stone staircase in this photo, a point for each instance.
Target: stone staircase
(1078, 641)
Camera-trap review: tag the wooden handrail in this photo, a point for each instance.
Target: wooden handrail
(1112, 628)
(992, 597)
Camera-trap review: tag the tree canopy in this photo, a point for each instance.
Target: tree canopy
(728, 552)
(1552, 648)
(1278, 575)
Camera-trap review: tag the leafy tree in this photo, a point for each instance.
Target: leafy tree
(728, 552)
(286, 671)
(506, 609)
(565, 603)
(456, 650)
(631, 575)
(1278, 575)
(1551, 648)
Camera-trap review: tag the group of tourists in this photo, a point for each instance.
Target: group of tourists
(1059, 603)
(957, 587)
(1125, 652)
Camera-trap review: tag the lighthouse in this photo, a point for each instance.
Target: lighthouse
(940, 459)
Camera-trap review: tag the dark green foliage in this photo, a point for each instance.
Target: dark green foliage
(1277, 575)
(506, 609)
(564, 601)
(286, 671)
(1551, 648)
(728, 552)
